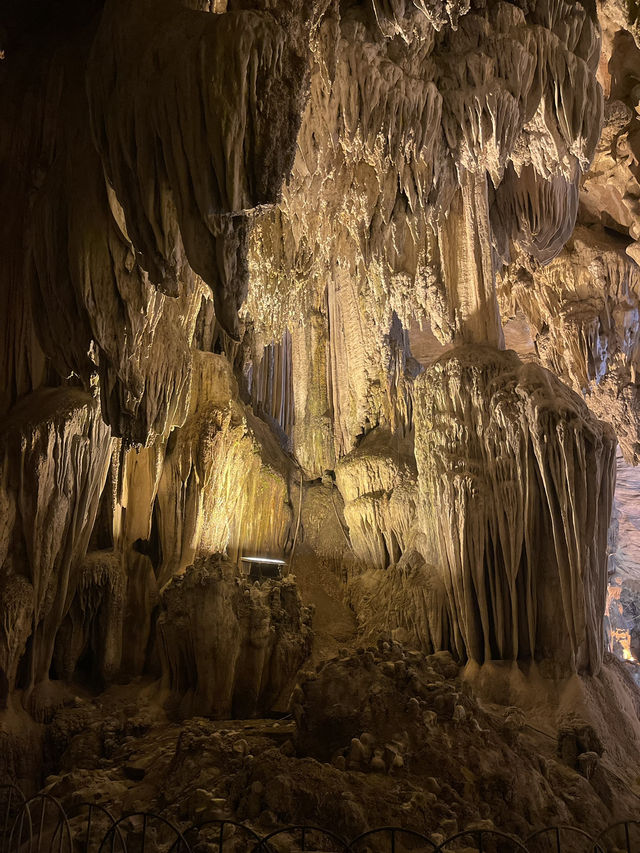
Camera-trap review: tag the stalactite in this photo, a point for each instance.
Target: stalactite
(272, 385)
(377, 481)
(224, 483)
(224, 222)
(200, 162)
(55, 458)
(456, 144)
(584, 309)
(94, 625)
(516, 481)
(407, 602)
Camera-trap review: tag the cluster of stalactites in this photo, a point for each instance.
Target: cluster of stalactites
(54, 458)
(186, 169)
(171, 165)
(377, 482)
(516, 481)
(405, 113)
(583, 309)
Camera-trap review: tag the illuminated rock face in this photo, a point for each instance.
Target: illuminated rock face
(139, 163)
(583, 307)
(623, 600)
(55, 456)
(516, 481)
(226, 220)
(424, 153)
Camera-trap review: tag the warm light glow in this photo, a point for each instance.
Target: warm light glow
(623, 639)
(263, 560)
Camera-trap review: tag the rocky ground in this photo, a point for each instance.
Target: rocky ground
(377, 736)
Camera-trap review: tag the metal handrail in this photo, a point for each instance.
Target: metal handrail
(92, 807)
(4, 837)
(62, 826)
(303, 829)
(479, 834)
(626, 824)
(221, 823)
(394, 831)
(563, 827)
(146, 816)
(56, 834)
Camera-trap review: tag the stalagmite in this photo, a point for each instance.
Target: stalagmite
(227, 647)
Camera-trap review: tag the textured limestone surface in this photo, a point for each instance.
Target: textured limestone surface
(59, 436)
(386, 736)
(623, 598)
(516, 481)
(264, 267)
(229, 648)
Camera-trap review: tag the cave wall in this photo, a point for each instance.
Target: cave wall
(228, 223)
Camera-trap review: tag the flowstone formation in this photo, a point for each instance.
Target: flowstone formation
(385, 736)
(435, 137)
(582, 308)
(262, 260)
(48, 520)
(229, 649)
(516, 485)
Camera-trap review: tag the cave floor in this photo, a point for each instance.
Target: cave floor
(489, 769)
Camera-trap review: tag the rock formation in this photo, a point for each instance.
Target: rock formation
(516, 483)
(262, 263)
(55, 460)
(229, 649)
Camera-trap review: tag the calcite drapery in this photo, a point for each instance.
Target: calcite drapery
(583, 308)
(516, 481)
(168, 182)
(192, 143)
(91, 634)
(377, 481)
(424, 155)
(224, 483)
(60, 437)
(220, 483)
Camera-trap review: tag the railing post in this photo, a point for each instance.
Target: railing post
(480, 847)
(557, 828)
(221, 841)
(5, 828)
(626, 836)
(88, 836)
(43, 807)
(304, 838)
(393, 841)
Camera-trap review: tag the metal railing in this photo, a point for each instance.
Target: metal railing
(41, 825)
(11, 799)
